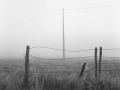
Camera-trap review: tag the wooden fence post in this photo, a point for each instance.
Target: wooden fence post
(96, 62)
(83, 68)
(26, 77)
(100, 56)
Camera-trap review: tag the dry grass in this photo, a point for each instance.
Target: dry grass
(59, 80)
(47, 81)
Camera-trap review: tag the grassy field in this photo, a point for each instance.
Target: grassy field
(60, 75)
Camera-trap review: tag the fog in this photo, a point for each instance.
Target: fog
(28, 22)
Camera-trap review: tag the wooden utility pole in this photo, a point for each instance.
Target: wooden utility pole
(26, 77)
(63, 35)
(96, 62)
(100, 56)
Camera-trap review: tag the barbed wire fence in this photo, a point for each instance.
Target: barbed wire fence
(88, 68)
(41, 59)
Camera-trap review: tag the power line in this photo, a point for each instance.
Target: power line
(31, 20)
(55, 12)
(93, 7)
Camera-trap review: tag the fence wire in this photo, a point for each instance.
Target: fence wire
(71, 50)
(51, 64)
(60, 49)
(90, 65)
(61, 59)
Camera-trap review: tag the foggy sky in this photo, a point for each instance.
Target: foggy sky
(84, 28)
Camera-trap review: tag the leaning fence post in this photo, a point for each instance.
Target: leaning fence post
(96, 62)
(83, 68)
(26, 77)
(100, 56)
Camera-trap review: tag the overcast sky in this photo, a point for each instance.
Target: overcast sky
(21, 24)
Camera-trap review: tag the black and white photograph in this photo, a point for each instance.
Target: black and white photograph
(59, 44)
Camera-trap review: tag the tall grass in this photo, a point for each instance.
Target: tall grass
(53, 81)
